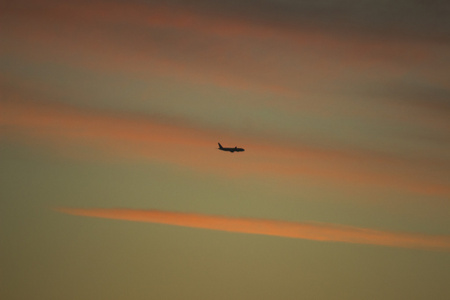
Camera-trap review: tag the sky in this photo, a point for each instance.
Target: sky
(112, 186)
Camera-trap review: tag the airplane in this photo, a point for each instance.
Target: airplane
(231, 149)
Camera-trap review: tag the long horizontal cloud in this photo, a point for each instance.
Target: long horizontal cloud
(139, 137)
(300, 230)
(346, 51)
(295, 68)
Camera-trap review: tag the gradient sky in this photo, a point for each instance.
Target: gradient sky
(113, 110)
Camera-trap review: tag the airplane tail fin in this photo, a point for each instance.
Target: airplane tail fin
(220, 146)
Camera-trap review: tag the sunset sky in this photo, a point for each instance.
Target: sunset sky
(112, 186)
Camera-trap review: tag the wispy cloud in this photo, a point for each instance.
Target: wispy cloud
(334, 78)
(227, 50)
(312, 71)
(183, 144)
(300, 230)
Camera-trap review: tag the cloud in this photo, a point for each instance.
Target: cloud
(300, 230)
(234, 51)
(169, 141)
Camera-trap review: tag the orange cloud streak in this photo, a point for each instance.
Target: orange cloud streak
(140, 137)
(300, 230)
(74, 43)
(188, 18)
(64, 30)
(357, 53)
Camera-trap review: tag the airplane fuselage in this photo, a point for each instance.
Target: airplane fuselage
(235, 149)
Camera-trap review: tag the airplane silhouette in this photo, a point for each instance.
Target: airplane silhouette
(230, 149)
